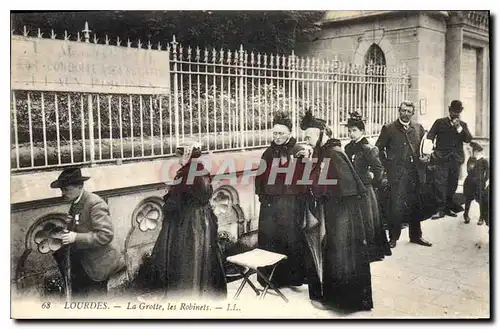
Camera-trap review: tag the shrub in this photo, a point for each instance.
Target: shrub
(213, 114)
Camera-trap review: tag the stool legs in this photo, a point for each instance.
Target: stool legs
(266, 288)
(269, 284)
(245, 275)
(253, 287)
(240, 288)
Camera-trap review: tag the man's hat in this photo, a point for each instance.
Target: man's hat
(309, 121)
(70, 176)
(476, 147)
(456, 106)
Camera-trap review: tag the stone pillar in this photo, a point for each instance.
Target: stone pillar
(483, 114)
(431, 70)
(454, 44)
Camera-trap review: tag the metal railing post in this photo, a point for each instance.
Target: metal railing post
(294, 94)
(176, 95)
(241, 96)
(91, 128)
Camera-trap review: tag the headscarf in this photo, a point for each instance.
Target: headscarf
(186, 148)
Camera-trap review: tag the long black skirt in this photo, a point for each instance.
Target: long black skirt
(186, 261)
(280, 231)
(378, 246)
(346, 273)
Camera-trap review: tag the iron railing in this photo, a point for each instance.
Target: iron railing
(223, 98)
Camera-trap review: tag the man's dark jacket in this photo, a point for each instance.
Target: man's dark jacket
(397, 146)
(449, 142)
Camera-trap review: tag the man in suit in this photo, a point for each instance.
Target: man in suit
(94, 254)
(448, 134)
(399, 145)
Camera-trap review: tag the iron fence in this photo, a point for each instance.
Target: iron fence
(224, 98)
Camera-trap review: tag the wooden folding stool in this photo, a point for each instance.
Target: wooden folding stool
(249, 263)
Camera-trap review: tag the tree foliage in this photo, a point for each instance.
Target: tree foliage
(260, 31)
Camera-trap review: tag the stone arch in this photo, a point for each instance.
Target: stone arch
(226, 206)
(42, 238)
(384, 44)
(146, 223)
(382, 87)
(375, 50)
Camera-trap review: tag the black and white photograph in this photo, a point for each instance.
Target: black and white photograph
(250, 164)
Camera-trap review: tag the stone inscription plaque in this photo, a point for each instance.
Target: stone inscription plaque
(59, 65)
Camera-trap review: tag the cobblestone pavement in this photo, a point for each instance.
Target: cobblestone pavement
(448, 280)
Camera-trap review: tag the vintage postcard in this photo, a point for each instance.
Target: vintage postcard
(250, 164)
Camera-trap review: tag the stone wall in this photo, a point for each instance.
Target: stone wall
(135, 211)
(416, 40)
(396, 35)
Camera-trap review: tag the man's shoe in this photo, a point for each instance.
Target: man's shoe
(480, 221)
(421, 242)
(450, 213)
(392, 243)
(440, 214)
(466, 219)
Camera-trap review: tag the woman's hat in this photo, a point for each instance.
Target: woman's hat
(70, 176)
(282, 118)
(309, 121)
(355, 120)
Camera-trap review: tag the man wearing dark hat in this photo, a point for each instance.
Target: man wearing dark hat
(448, 135)
(399, 145)
(94, 255)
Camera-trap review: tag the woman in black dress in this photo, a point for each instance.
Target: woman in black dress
(186, 261)
(282, 205)
(364, 157)
(345, 278)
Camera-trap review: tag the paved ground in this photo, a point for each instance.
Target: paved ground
(448, 280)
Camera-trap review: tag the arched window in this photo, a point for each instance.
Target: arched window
(375, 71)
(375, 56)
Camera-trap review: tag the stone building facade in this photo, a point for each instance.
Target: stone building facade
(446, 52)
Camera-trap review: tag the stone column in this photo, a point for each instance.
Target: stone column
(454, 44)
(483, 114)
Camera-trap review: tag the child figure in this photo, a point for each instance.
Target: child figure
(478, 172)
